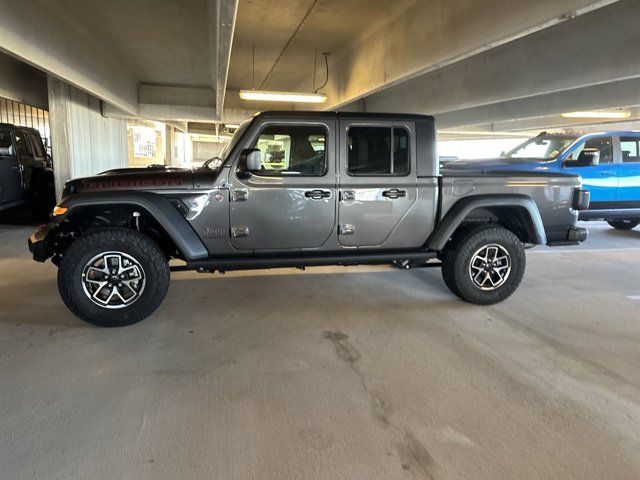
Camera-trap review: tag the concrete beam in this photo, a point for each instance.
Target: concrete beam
(44, 36)
(533, 112)
(222, 21)
(22, 83)
(585, 51)
(432, 35)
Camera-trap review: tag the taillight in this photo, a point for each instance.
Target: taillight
(581, 199)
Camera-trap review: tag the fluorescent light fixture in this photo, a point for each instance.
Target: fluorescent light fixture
(598, 114)
(294, 97)
(473, 133)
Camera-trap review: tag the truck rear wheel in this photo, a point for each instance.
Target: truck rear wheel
(113, 277)
(626, 224)
(484, 265)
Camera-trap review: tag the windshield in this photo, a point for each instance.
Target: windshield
(215, 162)
(234, 140)
(542, 147)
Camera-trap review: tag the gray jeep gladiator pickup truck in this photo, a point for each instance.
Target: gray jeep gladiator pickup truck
(297, 189)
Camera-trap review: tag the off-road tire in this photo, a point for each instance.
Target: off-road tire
(130, 242)
(626, 224)
(459, 254)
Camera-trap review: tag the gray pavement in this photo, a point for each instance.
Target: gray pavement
(332, 373)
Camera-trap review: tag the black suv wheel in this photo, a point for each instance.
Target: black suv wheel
(113, 277)
(484, 265)
(626, 224)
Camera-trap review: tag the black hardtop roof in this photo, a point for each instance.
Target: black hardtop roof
(339, 115)
(10, 126)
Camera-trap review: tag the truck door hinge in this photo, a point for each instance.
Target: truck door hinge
(347, 229)
(239, 195)
(240, 231)
(347, 195)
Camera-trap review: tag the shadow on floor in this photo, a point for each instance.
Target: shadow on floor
(18, 216)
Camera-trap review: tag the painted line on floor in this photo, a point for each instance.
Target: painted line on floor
(552, 250)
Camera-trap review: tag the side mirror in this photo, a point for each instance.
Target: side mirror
(250, 161)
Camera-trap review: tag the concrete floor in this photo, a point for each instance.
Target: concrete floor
(330, 374)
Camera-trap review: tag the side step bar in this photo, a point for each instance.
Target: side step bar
(299, 261)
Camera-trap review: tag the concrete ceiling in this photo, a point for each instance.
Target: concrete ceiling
(162, 60)
(286, 33)
(470, 62)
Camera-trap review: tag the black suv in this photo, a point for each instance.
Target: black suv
(26, 173)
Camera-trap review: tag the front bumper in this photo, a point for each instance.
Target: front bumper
(39, 244)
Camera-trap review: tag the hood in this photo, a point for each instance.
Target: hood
(489, 165)
(132, 179)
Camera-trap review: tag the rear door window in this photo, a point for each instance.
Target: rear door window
(378, 151)
(630, 148)
(36, 144)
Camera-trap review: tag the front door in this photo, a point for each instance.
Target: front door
(288, 204)
(378, 183)
(25, 155)
(10, 177)
(601, 180)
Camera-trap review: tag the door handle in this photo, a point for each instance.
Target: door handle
(394, 193)
(317, 194)
(608, 172)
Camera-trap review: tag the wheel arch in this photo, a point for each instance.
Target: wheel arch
(517, 213)
(88, 206)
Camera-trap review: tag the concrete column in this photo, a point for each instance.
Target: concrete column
(83, 141)
(168, 145)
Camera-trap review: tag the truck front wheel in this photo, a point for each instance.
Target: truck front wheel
(113, 277)
(484, 265)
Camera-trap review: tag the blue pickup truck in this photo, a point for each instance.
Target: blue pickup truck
(609, 164)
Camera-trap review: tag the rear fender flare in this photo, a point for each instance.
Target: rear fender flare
(462, 208)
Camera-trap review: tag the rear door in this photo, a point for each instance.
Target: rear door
(601, 180)
(10, 176)
(377, 183)
(629, 173)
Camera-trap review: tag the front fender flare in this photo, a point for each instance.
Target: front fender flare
(461, 209)
(176, 226)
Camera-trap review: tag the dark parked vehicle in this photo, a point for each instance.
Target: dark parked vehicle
(26, 174)
(353, 189)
